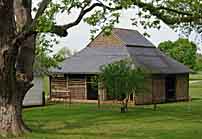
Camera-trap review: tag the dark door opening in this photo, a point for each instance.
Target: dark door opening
(92, 91)
(170, 88)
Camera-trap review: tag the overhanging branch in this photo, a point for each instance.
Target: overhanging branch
(61, 30)
(159, 12)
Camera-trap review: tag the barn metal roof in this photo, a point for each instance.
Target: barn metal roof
(155, 61)
(89, 60)
(132, 37)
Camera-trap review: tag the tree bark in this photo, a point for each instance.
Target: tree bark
(11, 113)
(12, 90)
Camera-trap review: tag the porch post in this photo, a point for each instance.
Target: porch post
(85, 97)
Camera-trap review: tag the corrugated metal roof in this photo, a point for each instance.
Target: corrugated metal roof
(89, 60)
(155, 61)
(132, 37)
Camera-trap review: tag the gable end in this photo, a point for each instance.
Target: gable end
(103, 40)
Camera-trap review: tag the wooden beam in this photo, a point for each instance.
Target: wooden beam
(86, 88)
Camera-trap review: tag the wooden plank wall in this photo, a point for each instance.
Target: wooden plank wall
(144, 96)
(158, 94)
(57, 84)
(182, 87)
(158, 90)
(77, 88)
(106, 41)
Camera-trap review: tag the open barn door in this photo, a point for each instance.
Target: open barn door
(92, 90)
(170, 88)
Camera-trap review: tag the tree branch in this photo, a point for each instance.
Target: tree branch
(21, 36)
(61, 30)
(40, 11)
(183, 17)
(42, 8)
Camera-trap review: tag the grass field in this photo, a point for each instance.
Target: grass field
(181, 120)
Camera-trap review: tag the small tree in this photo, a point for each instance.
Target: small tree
(121, 80)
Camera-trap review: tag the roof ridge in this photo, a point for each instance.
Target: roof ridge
(125, 29)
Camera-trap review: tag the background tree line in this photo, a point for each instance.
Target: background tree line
(183, 51)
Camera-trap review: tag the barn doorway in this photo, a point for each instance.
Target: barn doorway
(92, 91)
(170, 88)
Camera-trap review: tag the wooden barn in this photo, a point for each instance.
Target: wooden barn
(169, 79)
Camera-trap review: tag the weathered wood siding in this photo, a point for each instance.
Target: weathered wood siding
(182, 87)
(158, 90)
(144, 96)
(106, 41)
(58, 83)
(77, 88)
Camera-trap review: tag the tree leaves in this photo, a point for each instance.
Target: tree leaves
(182, 50)
(43, 60)
(121, 80)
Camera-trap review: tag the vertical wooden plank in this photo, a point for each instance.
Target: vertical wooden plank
(77, 88)
(158, 90)
(100, 93)
(182, 87)
(86, 91)
(67, 82)
(144, 96)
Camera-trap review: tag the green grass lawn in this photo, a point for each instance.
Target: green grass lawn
(181, 120)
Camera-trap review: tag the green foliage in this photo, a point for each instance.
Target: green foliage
(121, 80)
(103, 20)
(182, 50)
(46, 22)
(43, 60)
(63, 53)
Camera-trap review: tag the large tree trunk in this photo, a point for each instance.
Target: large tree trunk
(12, 89)
(11, 112)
